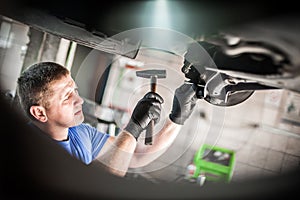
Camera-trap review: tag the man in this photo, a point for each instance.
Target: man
(49, 97)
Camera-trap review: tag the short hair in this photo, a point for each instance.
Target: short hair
(33, 84)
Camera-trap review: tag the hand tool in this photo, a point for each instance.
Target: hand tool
(153, 74)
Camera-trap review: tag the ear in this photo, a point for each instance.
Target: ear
(39, 113)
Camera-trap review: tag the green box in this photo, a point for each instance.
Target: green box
(215, 163)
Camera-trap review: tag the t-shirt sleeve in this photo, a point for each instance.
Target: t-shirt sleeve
(98, 139)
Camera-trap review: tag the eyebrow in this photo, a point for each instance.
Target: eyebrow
(68, 89)
(67, 93)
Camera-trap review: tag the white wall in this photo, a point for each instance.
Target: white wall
(13, 37)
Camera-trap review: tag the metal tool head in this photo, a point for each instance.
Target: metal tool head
(158, 73)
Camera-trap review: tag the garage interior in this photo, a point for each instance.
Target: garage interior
(263, 130)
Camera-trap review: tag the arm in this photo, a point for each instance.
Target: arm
(117, 153)
(124, 151)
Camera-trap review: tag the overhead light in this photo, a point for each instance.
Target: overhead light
(161, 14)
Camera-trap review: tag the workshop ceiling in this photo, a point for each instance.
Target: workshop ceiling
(190, 17)
(269, 32)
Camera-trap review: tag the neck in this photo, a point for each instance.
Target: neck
(56, 132)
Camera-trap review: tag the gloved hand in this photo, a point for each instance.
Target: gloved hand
(184, 101)
(147, 109)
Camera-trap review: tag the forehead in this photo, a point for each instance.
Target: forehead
(62, 84)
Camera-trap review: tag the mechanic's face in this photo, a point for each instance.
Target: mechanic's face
(65, 107)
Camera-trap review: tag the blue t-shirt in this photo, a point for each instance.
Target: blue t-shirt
(84, 142)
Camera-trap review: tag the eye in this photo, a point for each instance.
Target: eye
(67, 98)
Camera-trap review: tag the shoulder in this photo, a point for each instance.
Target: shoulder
(86, 126)
(85, 129)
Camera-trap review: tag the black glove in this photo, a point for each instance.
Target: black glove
(184, 101)
(147, 109)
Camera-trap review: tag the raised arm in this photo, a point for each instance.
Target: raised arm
(117, 153)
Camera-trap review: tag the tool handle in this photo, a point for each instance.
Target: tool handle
(149, 133)
(153, 87)
(150, 128)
